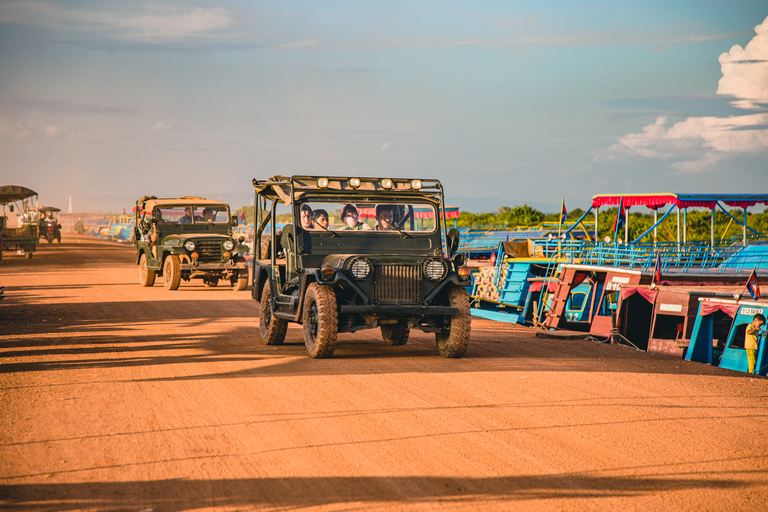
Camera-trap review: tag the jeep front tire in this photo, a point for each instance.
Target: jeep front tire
(172, 272)
(146, 276)
(320, 320)
(272, 330)
(454, 339)
(240, 282)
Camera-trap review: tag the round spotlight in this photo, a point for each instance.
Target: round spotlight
(435, 269)
(354, 182)
(360, 268)
(386, 183)
(416, 184)
(322, 182)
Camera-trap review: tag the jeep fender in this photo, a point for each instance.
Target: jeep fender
(260, 277)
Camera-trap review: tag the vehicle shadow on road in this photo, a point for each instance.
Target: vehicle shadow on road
(296, 492)
(87, 343)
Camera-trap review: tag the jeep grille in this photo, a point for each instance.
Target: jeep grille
(209, 251)
(397, 283)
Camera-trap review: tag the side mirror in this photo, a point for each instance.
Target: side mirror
(233, 221)
(452, 240)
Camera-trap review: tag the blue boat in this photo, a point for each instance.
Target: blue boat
(718, 334)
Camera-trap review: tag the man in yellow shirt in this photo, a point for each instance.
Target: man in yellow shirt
(750, 340)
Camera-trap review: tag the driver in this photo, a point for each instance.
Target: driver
(208, 215)
(321, 217)
(385, 214)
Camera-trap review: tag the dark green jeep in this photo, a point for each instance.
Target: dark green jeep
(358, 253)
(188, 238)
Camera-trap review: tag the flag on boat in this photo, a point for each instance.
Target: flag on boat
(753, 287)
(657, 268)
(620, 219)
(563, 212)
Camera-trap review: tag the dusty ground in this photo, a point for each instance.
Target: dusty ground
(117, 397)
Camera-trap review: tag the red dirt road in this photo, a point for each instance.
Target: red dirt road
(117, 397)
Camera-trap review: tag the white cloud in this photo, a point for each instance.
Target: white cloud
(144, 23)
(52, 130)
(745, 70)
(698, 143)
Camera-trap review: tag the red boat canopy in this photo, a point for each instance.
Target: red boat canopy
(654, 201)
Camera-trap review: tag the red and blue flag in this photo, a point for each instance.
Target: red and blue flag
(563, 213)
(753, 287)
(657, 269)
(620, 220)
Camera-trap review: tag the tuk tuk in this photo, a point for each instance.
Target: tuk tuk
(18, 223)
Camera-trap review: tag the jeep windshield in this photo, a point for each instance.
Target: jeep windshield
(198, 214)
(373, 217)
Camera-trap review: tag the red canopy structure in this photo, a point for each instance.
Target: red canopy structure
(679, 202)
(654, 201)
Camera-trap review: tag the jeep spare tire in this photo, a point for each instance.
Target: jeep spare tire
(320, 319)
(454, 339)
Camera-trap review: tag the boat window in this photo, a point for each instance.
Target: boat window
(737, 341)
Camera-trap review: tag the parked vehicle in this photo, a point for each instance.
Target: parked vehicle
(355, 255)
(188, 238)
(18, 223)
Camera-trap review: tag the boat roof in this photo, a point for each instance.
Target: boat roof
(11, 193)
(654, 201)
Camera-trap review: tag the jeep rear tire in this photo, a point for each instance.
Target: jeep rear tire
(454, 340)
(396, 334)
(320, 320)
(146, 276)
(271, 330)
(172, 272)
(211, 282)
(240, 282)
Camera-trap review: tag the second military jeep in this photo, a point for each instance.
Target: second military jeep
(358, 253)
(188, 238)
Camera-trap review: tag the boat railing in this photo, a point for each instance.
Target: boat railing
(688, 258)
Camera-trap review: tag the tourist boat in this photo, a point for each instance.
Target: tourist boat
(718, 334)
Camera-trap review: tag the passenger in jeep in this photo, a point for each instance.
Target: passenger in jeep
(306, 217)
(351, 218)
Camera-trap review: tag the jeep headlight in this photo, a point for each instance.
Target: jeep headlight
(229, 245)
(435, 269)
(360, 268)
(190, 245)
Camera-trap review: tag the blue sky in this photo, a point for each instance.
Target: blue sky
(507, 103)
